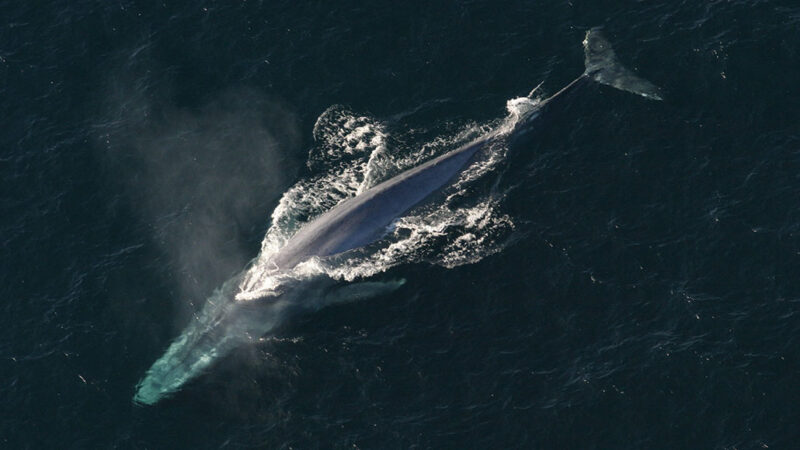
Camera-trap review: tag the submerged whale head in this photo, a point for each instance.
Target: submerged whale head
(223, 324)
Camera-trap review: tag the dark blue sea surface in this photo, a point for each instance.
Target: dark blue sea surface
(642, 291)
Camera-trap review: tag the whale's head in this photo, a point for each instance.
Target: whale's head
(223, 324)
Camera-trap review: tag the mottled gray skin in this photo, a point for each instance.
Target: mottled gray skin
(364, 218)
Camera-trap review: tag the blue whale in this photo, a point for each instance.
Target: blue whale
(225, 322)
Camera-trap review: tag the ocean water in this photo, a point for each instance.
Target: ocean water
(624, 277)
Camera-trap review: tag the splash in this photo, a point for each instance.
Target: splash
(351, 155)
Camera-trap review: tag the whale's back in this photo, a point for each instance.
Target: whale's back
(363, 219)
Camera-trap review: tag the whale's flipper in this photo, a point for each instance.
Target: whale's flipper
(362, 291)
(603, 66)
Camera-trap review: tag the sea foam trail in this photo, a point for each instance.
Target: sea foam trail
(351, 154)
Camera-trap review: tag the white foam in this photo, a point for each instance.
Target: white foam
(350, 156)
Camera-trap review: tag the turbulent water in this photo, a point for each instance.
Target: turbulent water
(351, 154)
(624, 276)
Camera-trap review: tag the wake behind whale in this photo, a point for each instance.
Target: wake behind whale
(360, 225)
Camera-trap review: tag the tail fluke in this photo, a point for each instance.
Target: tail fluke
(603, 66)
